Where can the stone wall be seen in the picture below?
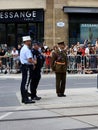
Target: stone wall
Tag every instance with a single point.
(49, 26)
(22, 4)
(79, 3)
(61, 33)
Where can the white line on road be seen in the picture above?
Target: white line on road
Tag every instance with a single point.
(9, 113)
(5, 115)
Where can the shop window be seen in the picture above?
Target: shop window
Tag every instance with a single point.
(16, 23)
(21, 30)
(36, 31)
(89, 32)
(83, 27)
(32, 31)
(40, 32)
(74, 33)
(11, 34)
(2, 34)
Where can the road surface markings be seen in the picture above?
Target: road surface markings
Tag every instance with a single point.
(9, 113)
(5, 115)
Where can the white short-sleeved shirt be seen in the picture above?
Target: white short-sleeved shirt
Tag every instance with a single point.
(87, 51)
(25, 54)
(15, 53)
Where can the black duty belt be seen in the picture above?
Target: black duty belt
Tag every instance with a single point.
(27, 65)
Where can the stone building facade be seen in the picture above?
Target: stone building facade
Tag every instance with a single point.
(53, 21)
(76, 21)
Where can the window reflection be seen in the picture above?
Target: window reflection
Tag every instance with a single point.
(11, 34)
(21, 30)
(2, 34)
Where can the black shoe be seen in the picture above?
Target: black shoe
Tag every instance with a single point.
(63, 95)
(5, 72)
(27, 101)
(29, 94)
(59, 95)
(36, 98)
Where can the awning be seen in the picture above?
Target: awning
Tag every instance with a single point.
(80, 9)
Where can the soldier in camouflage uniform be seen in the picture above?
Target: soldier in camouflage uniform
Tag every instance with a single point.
(59, 66)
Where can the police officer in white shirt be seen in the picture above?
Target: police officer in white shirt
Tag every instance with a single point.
(27, 66)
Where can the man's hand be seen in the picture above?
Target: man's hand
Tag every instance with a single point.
(35, 62)
(30, 60)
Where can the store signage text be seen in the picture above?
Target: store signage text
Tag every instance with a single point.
(16, 14)
(89, 25)
(21, 15)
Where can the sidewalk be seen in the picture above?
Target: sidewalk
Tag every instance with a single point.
(77, 111)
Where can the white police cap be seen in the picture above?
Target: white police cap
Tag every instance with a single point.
(26, 38)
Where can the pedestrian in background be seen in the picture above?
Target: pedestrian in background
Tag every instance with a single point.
(27, 63)
(59, 66)
(48, 60)
(79, 61)
(15, 56)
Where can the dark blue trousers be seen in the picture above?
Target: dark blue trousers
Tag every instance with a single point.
(26, 77)
(36, 76)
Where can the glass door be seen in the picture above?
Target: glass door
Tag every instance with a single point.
(11, 34)
(2, 34)
(21, 31)
(40, 32)
(36, 31)
(83, 27)
(32, 30)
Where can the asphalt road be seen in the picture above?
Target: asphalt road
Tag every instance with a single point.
(10, 86)
(14, 115)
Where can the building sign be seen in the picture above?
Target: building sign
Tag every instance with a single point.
(60, 24)
(22, 15)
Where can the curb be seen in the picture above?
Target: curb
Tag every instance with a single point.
(18, 76)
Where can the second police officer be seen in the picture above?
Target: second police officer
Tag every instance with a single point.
(36, 74)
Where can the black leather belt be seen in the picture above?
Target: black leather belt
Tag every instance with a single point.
(27, 65)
